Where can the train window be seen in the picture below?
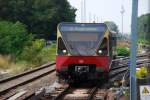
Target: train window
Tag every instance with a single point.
(82, 43)
(62, 50)
(103, 49)
(82, 27)
(82, 39)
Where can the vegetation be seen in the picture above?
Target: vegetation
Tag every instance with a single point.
(123, 51)
(4, 62)
(7, 65)
(13, 38)
(25, 26)
(37, 53)
(40, 16)
(141, 73)
(32, 56)
(144, 28)
(142, 41)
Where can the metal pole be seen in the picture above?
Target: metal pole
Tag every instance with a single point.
(97, 19)
(81, 11)
(133, 86)
(122, 23)
(84, 10)
(89, 17)
(94, 17)
(122, 12)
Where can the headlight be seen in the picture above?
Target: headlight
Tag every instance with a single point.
(100, 51)
(64, 51)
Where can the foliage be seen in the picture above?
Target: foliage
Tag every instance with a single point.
(144, 27)
(30, 54)
(142, 73)
(123, 51)
(123, 36)
(112, 26)
(40, 16)
(13, 37)
(37, 53)
(142, 41)
(49, 53)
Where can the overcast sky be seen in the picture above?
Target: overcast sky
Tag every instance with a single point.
(109, 10)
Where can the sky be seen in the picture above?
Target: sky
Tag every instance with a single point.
(110, 10)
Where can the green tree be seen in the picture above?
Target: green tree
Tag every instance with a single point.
(144, 27)
(40, 16)
(13, 37)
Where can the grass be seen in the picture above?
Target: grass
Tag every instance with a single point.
(7, 65)
(51, 52)
(47, 54)
(5, 62)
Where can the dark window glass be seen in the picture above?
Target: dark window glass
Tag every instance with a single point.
(82, 39)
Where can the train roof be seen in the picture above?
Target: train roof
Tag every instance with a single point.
(93, 27)
(73, 23)
(79, 23)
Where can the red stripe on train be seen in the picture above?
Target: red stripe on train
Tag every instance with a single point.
(64, 61)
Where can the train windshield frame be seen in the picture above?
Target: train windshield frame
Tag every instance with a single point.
(82, 39)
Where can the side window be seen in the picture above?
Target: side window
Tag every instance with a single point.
(103, 49)
(61, 47)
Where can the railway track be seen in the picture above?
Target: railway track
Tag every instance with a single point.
(120, 66)
(94, 92)
(79, 93)
(122, 60)
(8, 86)
(117, 72)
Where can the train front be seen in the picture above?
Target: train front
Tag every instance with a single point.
(82, 51)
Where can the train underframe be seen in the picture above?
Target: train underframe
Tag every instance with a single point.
(82, 73)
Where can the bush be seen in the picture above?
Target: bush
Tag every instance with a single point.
(38, 54)
(142, 73)
(20, 52)
(143, 42)
(13, 38)
(49, 53)
(31, 54)
(123, 51)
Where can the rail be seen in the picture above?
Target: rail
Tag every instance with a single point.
(11, 83)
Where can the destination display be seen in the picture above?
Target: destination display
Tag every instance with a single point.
(82, 37)
(82, 28)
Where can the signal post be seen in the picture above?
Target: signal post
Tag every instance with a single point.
(133, 85)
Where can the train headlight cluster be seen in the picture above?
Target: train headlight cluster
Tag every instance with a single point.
(100, 51)
(64, 51)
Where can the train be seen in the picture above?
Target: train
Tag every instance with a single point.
(84, 51)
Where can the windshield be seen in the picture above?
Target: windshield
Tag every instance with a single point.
(82, 39)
